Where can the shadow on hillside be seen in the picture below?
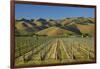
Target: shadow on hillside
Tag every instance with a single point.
(73, 29)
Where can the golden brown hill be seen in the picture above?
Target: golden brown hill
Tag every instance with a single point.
(54, 31)
(89, 29)
(22, 25)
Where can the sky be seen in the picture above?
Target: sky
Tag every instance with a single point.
(29, 11)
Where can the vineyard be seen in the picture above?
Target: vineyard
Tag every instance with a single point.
(52, 50)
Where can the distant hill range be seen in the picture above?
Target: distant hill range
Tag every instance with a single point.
(50, 27)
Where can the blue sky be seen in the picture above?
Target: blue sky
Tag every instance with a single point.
(29, 11)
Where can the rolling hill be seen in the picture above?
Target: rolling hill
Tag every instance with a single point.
(54, 31)
(50, 27)
(86, 29)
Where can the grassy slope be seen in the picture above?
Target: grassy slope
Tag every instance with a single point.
(54, 31)
(54, 27)
(86, 28)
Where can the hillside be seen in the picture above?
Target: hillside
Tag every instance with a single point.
(86, 29)
(54, 31)
(50, 27)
